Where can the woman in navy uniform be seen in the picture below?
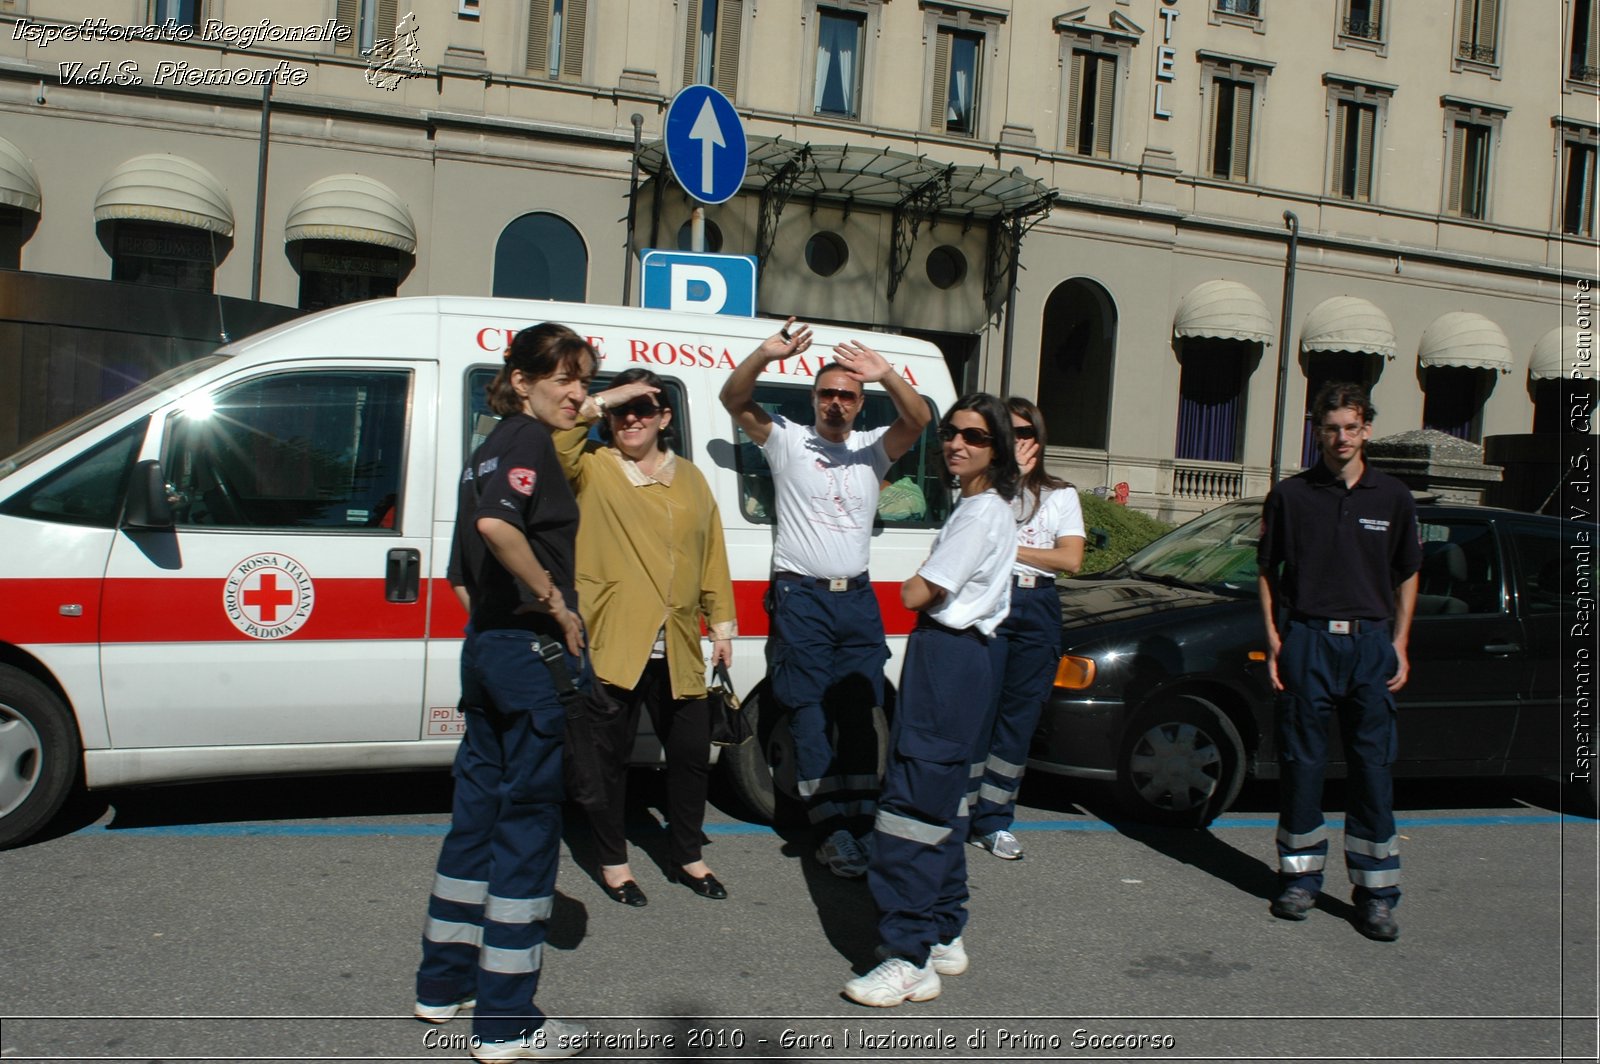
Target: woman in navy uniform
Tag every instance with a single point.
(918, 869)
(516, 527)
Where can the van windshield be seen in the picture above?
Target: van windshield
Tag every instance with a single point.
(101, 414)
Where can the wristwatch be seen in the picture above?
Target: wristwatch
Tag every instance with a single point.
(599, 406)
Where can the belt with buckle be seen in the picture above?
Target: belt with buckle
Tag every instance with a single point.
(826, 583)
(1033, 580)
(1340, 626)
(973, 633)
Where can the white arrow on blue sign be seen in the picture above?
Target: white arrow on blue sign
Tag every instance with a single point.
(706, 145)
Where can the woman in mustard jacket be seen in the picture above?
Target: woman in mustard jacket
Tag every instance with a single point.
(651, 565)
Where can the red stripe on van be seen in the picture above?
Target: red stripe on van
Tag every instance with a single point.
(749, 596)
(189, 611)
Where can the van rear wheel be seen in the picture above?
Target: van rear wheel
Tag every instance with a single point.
(761, 771)
(39, 755)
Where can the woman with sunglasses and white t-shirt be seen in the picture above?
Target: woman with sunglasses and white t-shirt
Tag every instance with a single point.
(1023, 652)
(918, 869)
(651, 565)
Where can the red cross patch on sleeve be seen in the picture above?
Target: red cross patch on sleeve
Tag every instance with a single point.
(522, 480)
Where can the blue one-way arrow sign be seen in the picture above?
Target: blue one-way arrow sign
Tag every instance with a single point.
(706, 144)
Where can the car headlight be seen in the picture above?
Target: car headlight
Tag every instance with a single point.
(1075, 673)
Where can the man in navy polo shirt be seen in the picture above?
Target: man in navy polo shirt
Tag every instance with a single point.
(1338, 558)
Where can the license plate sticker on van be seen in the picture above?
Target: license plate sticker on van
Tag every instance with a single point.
(445, 722)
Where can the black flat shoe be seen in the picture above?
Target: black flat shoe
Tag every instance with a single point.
(628, 894)
(706, 886)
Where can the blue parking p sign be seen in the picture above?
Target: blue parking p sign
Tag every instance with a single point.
(699, 283)
(705, 144)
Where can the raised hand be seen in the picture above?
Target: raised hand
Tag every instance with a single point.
(787, 342)
(862, 362)
(1027, 455)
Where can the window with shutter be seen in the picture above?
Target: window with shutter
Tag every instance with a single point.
(347, 14)
(572, 36)
(1585, 38)
(711, 44)
(1365, 127)
(1476, 32)
(538, 56)
(1578, 192)
(941, 82)
(1105, 100)
(1353, 131)
(556, 30)
(1239, 157)
(1468, 193)
(1363, 19)
(1075, 68)
(1091, 103)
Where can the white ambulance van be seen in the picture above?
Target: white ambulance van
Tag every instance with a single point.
(237, 569)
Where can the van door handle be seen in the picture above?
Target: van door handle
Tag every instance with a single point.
(1502, 648)
(404, 575)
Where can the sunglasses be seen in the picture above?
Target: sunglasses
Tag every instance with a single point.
(973, 437)
(841, 394)
(642, 409)
(1024, 432)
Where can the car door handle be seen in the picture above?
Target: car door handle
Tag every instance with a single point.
(403, 576)
(1502, 648)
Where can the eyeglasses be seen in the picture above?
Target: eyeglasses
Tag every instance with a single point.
(844, 395)
(973, 437)
(1024, 432)
(642, 409)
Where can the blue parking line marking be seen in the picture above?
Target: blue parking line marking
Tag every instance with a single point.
(438, 830)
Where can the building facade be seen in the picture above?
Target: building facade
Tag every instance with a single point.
(1103, 206)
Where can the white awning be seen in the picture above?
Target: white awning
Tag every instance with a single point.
(1556, 355)
(1462, 338)
(165, 188)
(1223, 310)
(352, 207)
(1348, 323)
(19, 185)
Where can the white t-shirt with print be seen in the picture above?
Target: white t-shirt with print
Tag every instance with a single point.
(1058, 514)
(972, 559)
(826, 497)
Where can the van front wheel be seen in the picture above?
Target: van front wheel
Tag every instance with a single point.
(39, 755)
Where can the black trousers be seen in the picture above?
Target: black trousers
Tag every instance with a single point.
(684, 727)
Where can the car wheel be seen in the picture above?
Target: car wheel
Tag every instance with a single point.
(39, 755)
(1181, 763)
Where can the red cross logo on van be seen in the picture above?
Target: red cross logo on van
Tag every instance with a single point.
(268, 596)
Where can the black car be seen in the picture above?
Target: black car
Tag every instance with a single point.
(1163, 690)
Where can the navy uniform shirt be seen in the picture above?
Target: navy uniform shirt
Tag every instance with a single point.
(1343, 550)
(516, 476)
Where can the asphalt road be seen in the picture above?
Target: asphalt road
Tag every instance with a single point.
(280, 920)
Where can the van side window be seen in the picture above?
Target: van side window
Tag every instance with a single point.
(914, 494)
(322, 449)
(87, 490)
(480, 421)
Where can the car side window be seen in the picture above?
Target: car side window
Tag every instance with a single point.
(87, 490)
(1460, 570)
(480, 420)
(1547, 569)
(913, 493)
(322, 449)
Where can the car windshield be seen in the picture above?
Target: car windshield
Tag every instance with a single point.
(103, 413)
(1216, 551)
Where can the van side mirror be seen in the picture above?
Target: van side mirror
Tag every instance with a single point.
(148, 504)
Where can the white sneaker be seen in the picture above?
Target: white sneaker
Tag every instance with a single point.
(892, 983)
(842, 855)
(948, 958)
(553, 1040)
(441, 1013)
(1002, 844)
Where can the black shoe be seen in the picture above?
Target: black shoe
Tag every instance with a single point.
(1293, 904)
(706, 886)
(1377, 921)
(628, 894)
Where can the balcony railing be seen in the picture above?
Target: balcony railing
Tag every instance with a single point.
(1366, 29)
(1478, 53)
(1240, 7)
(1206, 482)
(1585, 73)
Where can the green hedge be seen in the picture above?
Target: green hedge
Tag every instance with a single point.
(1126, 530)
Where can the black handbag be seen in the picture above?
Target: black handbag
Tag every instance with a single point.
(729, 725)
(594, 750)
